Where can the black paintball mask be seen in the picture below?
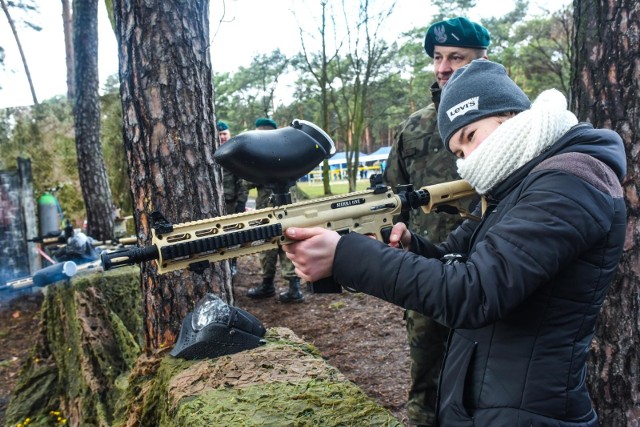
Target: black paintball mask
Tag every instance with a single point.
(215, 329)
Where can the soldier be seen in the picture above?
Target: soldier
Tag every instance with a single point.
(235, 189)
(269, 259)
(418, 157)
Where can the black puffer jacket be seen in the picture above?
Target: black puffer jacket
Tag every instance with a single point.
(524, 304)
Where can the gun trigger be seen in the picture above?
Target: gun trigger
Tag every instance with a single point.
(386, 234)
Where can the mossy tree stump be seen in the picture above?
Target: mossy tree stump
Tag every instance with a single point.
(87, 370)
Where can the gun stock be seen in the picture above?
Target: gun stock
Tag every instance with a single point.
(449, 194)
(194, 245)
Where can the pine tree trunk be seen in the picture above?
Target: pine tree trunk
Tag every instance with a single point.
(91, 168)
(167, 93)
(607, 94)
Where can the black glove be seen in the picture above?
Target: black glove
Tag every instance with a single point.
(240, 207)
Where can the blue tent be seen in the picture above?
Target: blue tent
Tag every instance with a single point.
(380, 154)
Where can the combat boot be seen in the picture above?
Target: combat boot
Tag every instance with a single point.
(266, 289)
(294, 294)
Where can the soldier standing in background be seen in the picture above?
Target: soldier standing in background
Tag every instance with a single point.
(235, 189)
(418, 157)
(269, 259)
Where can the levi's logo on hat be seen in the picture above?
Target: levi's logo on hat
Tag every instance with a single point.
(463, 108)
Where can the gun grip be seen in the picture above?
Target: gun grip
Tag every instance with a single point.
(326, 286)
(386, 234)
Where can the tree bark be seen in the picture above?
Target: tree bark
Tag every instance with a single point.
(166, 89)
(607, 94)
(91, 168)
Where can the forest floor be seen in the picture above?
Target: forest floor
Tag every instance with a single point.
(362, 336)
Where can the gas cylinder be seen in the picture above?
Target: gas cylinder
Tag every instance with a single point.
(48, 215)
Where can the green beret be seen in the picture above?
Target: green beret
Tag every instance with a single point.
(266, 122)
(222, 126)
(458, 32)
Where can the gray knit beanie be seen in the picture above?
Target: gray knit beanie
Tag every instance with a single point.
(477, 90)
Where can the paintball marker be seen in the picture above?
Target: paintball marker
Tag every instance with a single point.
(195, 245)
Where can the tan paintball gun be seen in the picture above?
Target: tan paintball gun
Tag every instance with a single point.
(194, 245)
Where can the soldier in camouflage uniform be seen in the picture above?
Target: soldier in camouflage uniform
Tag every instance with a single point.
(235, 189)
(418, 157)
(269, 258)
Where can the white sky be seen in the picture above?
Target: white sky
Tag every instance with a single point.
(249, 27)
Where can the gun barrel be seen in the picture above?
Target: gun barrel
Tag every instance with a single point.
(129, 256)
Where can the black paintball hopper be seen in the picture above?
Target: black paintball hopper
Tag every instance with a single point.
(279, 156)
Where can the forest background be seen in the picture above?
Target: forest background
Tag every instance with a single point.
(357, 87)
(392, 77)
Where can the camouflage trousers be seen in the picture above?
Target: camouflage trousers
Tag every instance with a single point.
(230, 206)
(427, 346)
(268, 261)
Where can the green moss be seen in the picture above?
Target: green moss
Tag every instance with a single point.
(90, 336)
(32, 396)
(121, 290)
(337, 305)
(128, 345)
(274, 337)
(146, 391)
(315, 403)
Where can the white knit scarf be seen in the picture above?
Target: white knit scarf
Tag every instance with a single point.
(516, 141)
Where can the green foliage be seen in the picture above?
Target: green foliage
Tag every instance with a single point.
(45, 135)
(450, 9)
(544, 55)
(113, 146)
(536, 51)
(249, 93)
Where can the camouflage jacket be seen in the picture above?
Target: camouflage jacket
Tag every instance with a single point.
(418, 157)
(235, 189)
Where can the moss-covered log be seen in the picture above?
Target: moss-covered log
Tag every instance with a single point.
(87, 370)
(284, 383)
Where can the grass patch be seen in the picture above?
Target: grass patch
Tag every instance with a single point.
(316, 189)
